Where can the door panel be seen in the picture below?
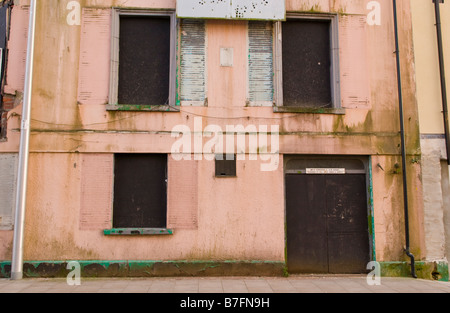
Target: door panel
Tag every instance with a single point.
(346, 203)
(327, 227)
(348, 253)
(347, 225)
(306, 225)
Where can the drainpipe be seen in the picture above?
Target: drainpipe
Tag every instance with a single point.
(19, 224)
(403, 143)
(442, 73)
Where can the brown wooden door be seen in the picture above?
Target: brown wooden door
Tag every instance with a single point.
(327, 227)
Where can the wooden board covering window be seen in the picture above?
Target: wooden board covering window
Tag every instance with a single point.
(307, 63)
(140, 191)
(144, 60)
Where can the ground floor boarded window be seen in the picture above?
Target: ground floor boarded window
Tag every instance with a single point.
(140, 191)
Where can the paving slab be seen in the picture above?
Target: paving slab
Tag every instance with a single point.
(224, 285)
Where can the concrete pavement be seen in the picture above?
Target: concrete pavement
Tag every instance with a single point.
(291, 284)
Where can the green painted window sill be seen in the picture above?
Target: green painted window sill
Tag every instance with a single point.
(135, 107)
(137, 231)
(338, 111)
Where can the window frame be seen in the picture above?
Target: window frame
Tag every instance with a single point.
(225, 157)
(133, 231)
(334, 58)
(114, 65)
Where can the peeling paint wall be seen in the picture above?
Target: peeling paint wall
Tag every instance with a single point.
(238, 219)
(433, 151)
(388, 210)
(434, 155)
(228, 227)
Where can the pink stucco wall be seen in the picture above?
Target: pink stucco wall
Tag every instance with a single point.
(246, 226)
(235, 218)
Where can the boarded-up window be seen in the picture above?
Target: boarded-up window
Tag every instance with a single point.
(260, 63)
(8, 183)
(140, 191)
(144, 60)
(307, 63)
(193, 62)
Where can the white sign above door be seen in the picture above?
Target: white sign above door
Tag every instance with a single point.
(334, 171)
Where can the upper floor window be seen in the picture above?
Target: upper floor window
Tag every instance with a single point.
(143, 58)
(308, 62)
